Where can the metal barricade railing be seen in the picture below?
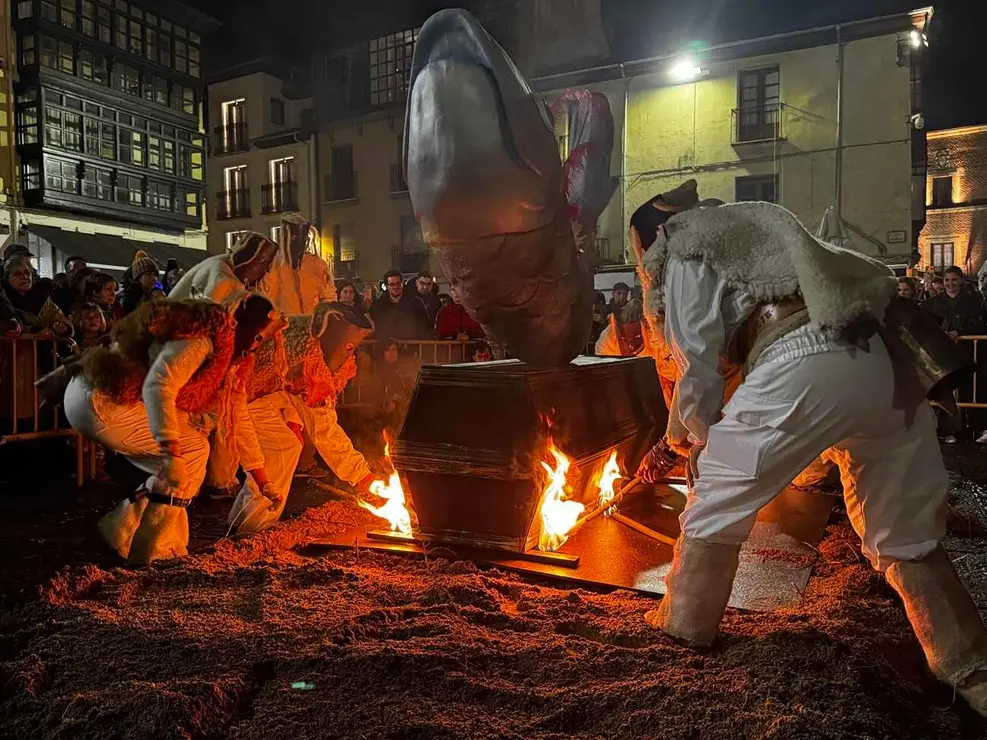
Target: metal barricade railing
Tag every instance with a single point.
(427, 352)
(23, 361)
(969, 395)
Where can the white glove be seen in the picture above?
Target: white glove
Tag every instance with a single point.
(268, 492)
(172, 474)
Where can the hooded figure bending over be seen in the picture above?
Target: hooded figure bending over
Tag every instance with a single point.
(748, 280)
(226, 277)
(169, 360)
(294, 390)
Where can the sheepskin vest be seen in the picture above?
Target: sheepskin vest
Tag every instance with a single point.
(763, 250)
(120, 371)
(294, 363)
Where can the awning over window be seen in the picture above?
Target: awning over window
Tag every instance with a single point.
(114, 252)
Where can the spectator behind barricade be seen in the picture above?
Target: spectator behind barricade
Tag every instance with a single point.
(959, 311)
(453, 322)
(390, 385)
(35, 310)
(938, 286)
(369, 294)
(10, 325)
(621, 295)
(66, 286)
(398, 313)
(482, 352)
(101, 288)
(47, 285)
(172, 277)
(445, 299)
(423, 287)
(90, 325)
(349, 297)
(144, 286)
(908, 288)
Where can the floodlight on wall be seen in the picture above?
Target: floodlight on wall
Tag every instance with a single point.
(917, 39)
(684, 69)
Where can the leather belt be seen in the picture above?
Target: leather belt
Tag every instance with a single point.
(158, 498)
(767, 316)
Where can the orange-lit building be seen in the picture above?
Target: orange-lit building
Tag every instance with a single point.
(955, 231)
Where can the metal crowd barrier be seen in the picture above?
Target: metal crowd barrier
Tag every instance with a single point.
(22, 419)
(970, 395)
(427, 352)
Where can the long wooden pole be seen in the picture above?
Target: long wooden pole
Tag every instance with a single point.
(631, 485)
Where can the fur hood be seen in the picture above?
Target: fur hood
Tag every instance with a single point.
(295, 363)
(763, 250)
(120, 370)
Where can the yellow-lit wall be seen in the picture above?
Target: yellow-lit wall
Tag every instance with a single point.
(257, 90)
(373, 218)
(677, 132)
(960, 154)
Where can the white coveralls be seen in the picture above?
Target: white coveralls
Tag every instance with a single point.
(140, 530)
(213, 279)
(298, 292)
(271, 416)
(807, 393)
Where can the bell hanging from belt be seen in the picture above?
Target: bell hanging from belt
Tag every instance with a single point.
(936, 363)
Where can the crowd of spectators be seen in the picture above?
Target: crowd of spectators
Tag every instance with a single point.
(959, 307)
(81, 303)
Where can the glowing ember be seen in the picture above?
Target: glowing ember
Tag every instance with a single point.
(558, 515)
(609, 476)
(394, 510)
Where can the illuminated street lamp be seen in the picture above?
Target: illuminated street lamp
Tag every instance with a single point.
(684, 69)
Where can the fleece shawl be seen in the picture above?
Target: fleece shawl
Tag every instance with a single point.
(763, 250)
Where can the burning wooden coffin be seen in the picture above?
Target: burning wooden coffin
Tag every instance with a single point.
(485, 445)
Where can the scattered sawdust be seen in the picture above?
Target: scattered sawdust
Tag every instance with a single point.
(400, 647)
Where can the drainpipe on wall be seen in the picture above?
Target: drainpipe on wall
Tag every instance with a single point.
(839, 122)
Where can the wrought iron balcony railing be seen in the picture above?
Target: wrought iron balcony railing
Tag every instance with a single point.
(758, 123)
(233, 203)
(230, 139)
(279, 197)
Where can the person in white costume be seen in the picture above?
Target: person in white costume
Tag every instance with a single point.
(817, 377)
(294, 390)
(169, 360)
(299, 279)
(226, 276)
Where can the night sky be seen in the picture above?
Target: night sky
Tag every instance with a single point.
(956, 92)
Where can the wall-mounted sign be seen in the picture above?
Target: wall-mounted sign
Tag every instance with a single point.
(897, 237)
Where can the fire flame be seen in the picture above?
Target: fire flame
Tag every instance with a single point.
(558, 515)
(394, 510)
(609, 476)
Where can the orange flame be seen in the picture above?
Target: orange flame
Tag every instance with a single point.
(609, 475)
(394, 510)
(558, 515)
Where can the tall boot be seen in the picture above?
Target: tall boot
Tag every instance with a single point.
(946, 622)
(119, 526)
(698, 589)
(163, 532)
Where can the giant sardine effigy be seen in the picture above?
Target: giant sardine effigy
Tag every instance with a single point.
(488, 187)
